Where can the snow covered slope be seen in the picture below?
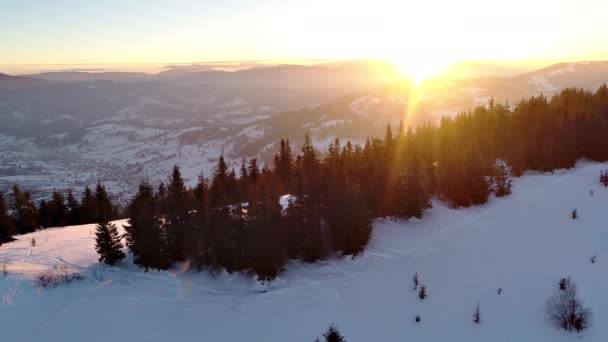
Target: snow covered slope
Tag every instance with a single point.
(524, 243)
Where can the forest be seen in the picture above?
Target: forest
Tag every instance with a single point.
(233, 220)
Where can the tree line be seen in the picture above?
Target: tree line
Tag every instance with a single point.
(233, 219)
(19, 214)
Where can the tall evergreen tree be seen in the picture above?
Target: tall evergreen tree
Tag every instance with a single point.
(145, 237)
(283, 167)
(24, 211)
(88, 207)
(44, 215)
(502, 181)
(412, 196)
(103, 204)
(73, 209)
(108, 243)
(58, 211)
(176, 216)
(7, 227)
(264, 216)
(198, 232)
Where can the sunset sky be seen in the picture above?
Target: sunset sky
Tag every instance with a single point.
(415, 34)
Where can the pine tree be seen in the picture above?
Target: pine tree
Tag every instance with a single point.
(88, 208)
(219, 191)
(304, 229)
(7, 227)
(413, 199)
(264, 218)
(502, 181)
(310, 167)
(283, 166)
(176, 216)
(476, 315)
(333, 335)
(108, 243)
(24, 211)
(58, 211)
(144, 235)
(349, 221)
(44, 216)
(198, 233)
(422, 293)
(73, 208)
(104, 210)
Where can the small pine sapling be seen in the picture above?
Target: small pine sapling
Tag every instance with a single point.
(422, 293)
(574, 214)
(476, 315)
(499, 290)
(417, 319)
(33, 242)
(563, 283)
(593, 259)
(333, 334)
(415, 281)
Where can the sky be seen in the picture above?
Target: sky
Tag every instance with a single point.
(417, 34)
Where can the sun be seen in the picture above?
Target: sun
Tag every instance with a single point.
(421, 68)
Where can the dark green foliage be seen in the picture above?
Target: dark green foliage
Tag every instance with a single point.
(58, 211)
(349, 221)
(88, 207)
(24, 211)
(175, 215)
(108, 243)
(422, 292)
(104, 210)
(73, 208)
(502, 181)
(7, 227)
(44, 215)
(333, 335)
(144, 235)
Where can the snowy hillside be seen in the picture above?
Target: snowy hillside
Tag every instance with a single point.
(523, 244)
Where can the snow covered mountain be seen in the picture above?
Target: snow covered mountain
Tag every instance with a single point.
(522, 244)
(70, 129)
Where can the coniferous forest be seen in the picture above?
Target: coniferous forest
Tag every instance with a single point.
(233, 220)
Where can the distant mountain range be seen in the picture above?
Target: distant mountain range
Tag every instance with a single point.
(69, 129)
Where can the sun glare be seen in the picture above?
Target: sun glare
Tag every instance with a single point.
(421, 69)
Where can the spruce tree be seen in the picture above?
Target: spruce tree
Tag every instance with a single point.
(104, 209)
(73, 208)
(333, 335)
(7, 227)
(144, 235)
(348, 219)
(502, 181)
(44, 216)
(108, 243)
(24, 211)
(58, 211)
(413, 199)
(176, 216)
(198, 233)
(283, 167)
(264, 218)
(88, 208)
